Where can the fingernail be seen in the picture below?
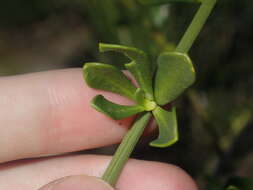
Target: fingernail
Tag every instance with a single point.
(78, 183)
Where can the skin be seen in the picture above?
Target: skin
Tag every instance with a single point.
(48, 113)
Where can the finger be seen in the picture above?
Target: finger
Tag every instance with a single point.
(50, 113)
(82, 182)
(137, 175)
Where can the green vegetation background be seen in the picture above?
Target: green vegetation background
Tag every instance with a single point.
(215, 115)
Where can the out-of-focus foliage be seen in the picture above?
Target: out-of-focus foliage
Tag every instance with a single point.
(216, 124)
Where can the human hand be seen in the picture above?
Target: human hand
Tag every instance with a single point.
(48, 113)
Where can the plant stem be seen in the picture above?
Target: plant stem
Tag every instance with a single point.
(196, 26)
(127, 145)
(125, 149)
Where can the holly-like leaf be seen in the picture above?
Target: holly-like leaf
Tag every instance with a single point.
(140, 66)
(160, 2)
(113, 110)
(175, 73)
(109, 78)
(167, 123)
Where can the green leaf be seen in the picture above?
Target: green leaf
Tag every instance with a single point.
(175, 73)
(232, 188)
(167, 123)
(113, 110)
(140, 66)
(142, 73)
(240, 183)
(140, 96)
(108, 78)
(141, 100)
(160, 2)
(131, 52)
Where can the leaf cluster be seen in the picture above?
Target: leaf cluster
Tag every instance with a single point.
(172, 75)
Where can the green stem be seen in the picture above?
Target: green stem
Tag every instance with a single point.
(125, 149)
(196, 26)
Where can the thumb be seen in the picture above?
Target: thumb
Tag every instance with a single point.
(81, 182)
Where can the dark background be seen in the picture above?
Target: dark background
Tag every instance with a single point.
(215, 115)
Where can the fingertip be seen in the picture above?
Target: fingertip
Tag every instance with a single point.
(174, 177)
(81, 182)
(155, 175)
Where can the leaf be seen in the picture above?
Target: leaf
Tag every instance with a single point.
(175, 73)
(160, 2)
(167, 123)
(232, 188)
(108, 78)
(240, 183)
(140, 66)
(130, 52)
(113, 110)
(141, 100)
(143, 76)
(140, 96)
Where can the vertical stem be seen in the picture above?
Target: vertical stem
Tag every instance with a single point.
(124, 150)
(196, 26)
(126, 147)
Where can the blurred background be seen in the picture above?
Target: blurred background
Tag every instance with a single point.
(215, 115)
